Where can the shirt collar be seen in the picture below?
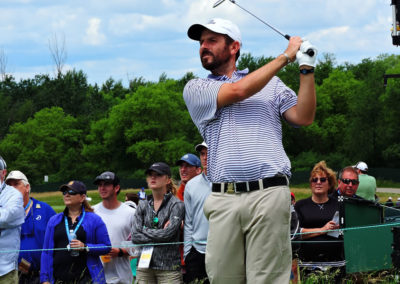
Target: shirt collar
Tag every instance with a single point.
(235, 74)
(167, 196)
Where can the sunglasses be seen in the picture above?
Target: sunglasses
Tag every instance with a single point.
(154, 174)
(348, 181)
(322, 180)
(70, 192)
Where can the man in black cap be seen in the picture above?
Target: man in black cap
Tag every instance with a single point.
(118, 218)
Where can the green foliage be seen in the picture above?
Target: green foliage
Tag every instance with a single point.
(67, 128)
(151, 124)
(47, 144)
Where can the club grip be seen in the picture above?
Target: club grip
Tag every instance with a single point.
(310, 52)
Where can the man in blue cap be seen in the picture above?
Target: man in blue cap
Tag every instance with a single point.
(189, 167)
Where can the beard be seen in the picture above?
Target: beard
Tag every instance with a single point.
(215, 61)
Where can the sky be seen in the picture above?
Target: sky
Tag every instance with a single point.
(126, 39)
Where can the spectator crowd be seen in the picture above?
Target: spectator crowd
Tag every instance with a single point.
(116, 242)
(112, 241)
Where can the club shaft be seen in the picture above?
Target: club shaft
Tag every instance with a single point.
(262, 21)
(219, 2)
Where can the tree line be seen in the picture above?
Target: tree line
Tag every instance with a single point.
(66, 128)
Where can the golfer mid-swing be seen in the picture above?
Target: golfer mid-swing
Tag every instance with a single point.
(239, 116)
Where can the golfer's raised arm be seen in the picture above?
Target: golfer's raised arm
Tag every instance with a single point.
(251, 84)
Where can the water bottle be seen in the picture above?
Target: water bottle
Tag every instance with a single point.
(72, 236)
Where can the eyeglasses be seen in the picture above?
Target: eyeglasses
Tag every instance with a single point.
(322, 180)
(70, 192)
(348, 181)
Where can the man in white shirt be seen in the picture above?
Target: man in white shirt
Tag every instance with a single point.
(118, 218)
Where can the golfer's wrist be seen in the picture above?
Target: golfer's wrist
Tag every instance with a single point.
(285, 58)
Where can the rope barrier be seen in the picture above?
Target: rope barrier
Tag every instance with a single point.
(205, 242)
(390, 224)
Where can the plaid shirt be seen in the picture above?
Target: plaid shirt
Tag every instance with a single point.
(148, 228)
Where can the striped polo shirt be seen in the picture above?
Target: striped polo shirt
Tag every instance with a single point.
(245, 138)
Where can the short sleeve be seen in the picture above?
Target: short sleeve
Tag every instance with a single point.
(200, 96)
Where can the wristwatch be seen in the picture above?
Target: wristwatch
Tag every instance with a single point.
(306, 71)
(120, 253)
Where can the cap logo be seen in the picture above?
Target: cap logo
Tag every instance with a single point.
(71, 182)
(186, 156)
(212, 22)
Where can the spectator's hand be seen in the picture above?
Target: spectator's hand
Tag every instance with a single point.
(330, 226)
(24, 266)
(77, 244)
(113, 252)
(166, 224)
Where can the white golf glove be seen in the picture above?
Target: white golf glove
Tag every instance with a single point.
(303, 58)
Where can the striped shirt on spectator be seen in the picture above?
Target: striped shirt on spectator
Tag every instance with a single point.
(244, 138)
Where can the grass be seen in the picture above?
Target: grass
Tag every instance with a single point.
(55, 200)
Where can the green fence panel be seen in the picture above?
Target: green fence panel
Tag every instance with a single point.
(366, 249)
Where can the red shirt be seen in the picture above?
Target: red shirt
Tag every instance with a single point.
(181, 191)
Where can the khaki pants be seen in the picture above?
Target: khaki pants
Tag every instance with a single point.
(154, 276)
(249, 237)
(9, 278)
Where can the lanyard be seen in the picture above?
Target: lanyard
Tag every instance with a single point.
(77, 226)
(27, 205)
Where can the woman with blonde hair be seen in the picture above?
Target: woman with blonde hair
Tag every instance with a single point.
(316, 215)
(158, 220)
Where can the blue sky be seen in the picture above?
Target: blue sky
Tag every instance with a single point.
(124, 39)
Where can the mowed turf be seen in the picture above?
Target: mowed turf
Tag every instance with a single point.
(55, 199)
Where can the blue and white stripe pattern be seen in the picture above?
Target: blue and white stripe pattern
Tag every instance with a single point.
(244, 139)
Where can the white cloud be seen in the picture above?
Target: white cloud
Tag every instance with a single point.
(145, 38)
(93, 35)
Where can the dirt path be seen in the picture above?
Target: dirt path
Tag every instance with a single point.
(388, 189)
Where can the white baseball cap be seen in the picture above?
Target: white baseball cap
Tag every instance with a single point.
(199, 146)
(361, 166)
(17, 175)
(216, 25)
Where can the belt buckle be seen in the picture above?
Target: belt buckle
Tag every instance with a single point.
(230, 187)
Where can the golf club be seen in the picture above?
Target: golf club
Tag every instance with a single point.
(310, 52)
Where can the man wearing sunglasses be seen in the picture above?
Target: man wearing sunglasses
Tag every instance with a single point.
(118, 218)
(37, 215)
(11, 218)
(347, 183)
